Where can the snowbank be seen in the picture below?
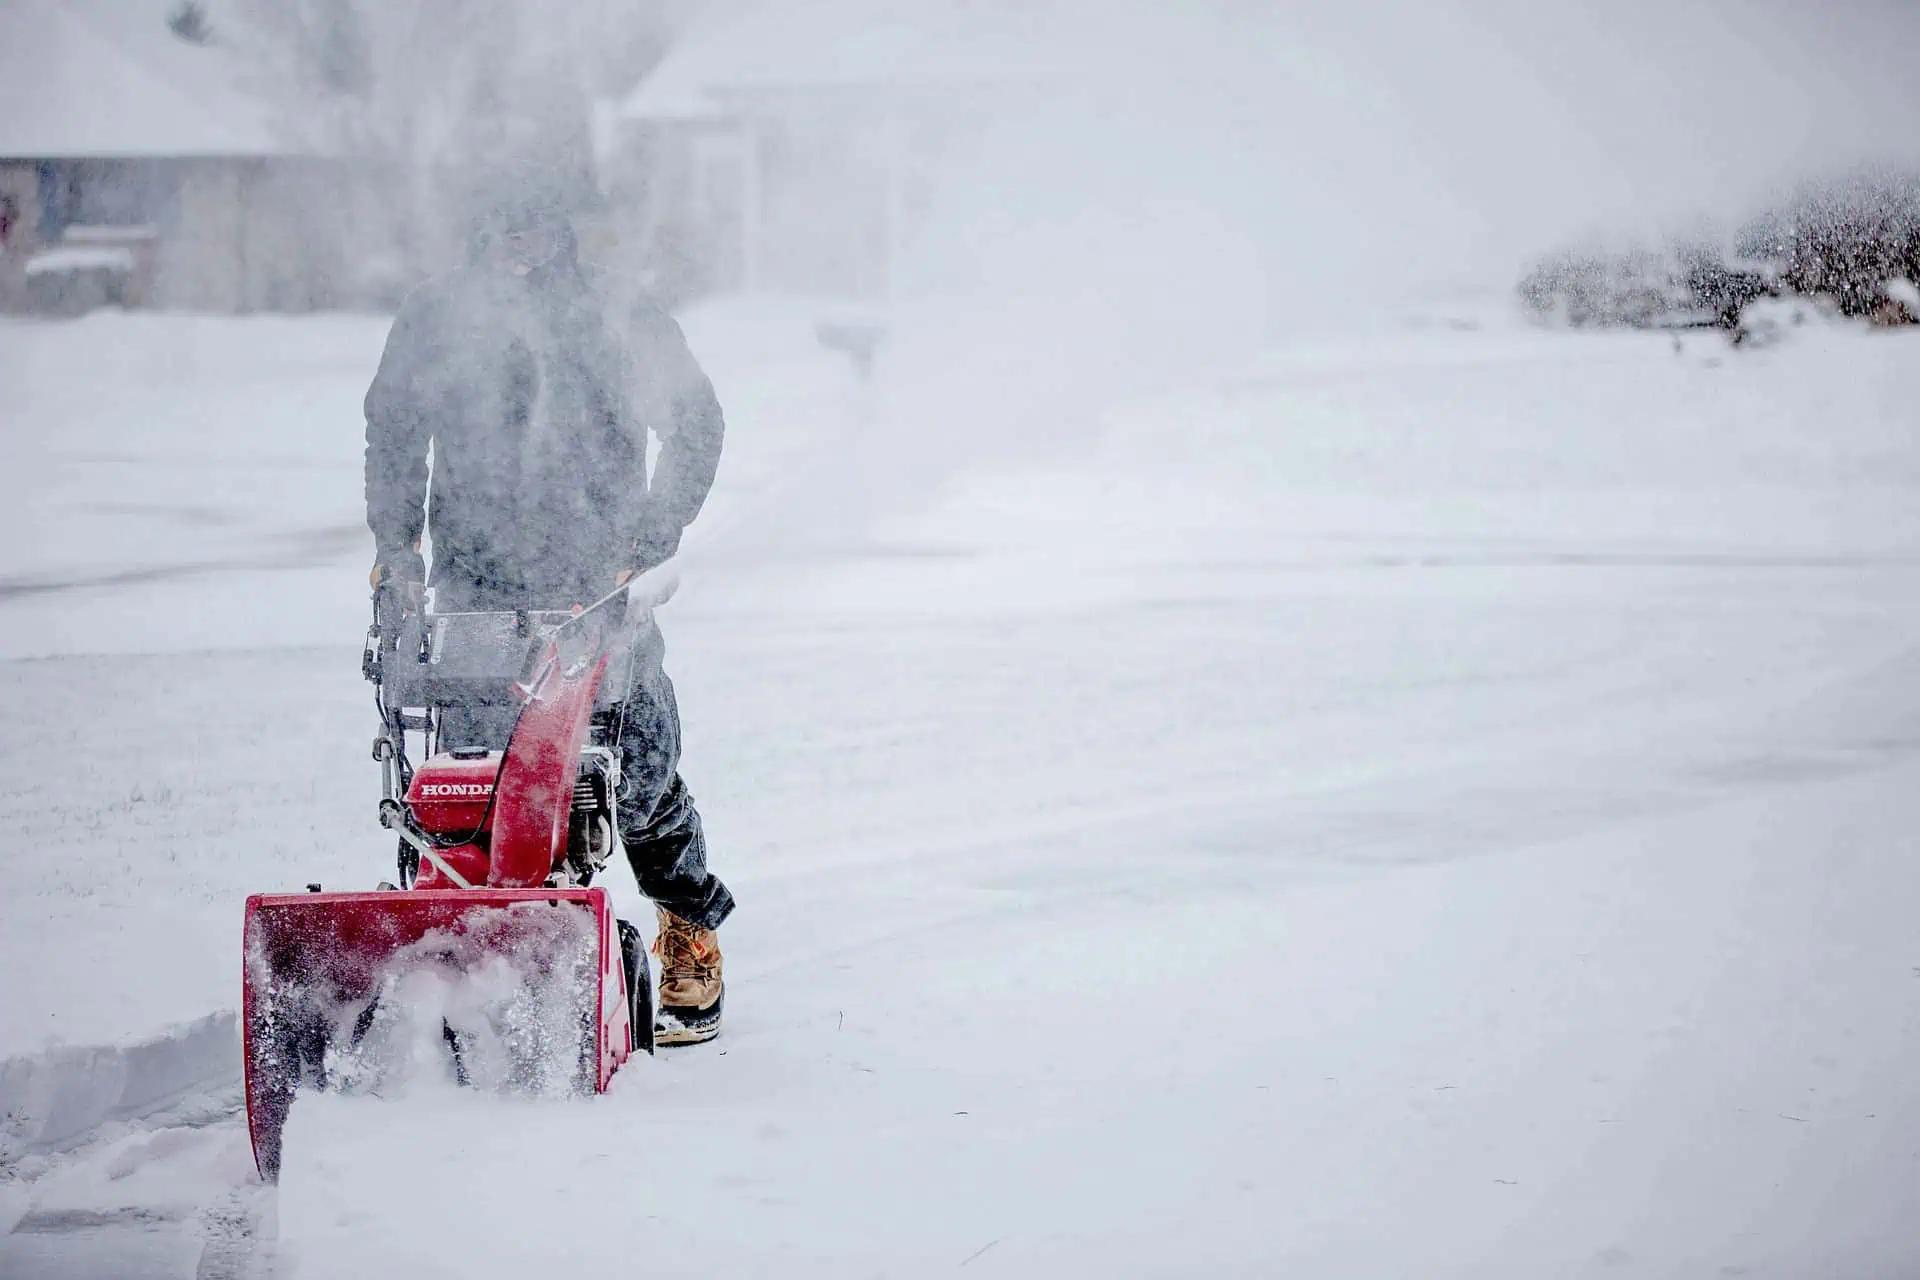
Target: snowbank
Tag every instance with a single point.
(51, 1098)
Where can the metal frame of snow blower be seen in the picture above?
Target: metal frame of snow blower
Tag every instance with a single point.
(407, 656)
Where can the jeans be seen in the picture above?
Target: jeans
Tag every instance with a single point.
(658, 822)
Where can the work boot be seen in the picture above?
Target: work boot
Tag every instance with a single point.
(690, 985)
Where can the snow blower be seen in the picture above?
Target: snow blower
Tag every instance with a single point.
(494, 933)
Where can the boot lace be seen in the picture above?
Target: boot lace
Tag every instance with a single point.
(684, 951)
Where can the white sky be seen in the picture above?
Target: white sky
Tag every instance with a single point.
(1336, 151)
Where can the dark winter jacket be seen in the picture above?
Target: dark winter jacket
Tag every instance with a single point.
(536, 393)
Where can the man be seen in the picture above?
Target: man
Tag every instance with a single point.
(535, 382)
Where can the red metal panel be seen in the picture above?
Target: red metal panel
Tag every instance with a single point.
(331, 947)
(535, 790)
(449, 796)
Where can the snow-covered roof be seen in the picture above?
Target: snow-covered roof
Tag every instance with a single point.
(796, 46)
(106, 78)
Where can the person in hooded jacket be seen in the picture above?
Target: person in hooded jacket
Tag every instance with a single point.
(535, 381)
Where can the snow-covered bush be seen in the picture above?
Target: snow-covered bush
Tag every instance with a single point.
(1720, 290)
(1851, 245)
(1855, 241)
(1634, 288)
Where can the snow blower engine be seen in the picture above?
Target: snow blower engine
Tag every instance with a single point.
(493, 938)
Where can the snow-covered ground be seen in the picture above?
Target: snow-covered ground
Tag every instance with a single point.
(1433, 802)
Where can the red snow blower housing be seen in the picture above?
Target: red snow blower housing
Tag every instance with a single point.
(493, 931)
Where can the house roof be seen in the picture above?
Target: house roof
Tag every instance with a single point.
(815, 46)
(106, 79)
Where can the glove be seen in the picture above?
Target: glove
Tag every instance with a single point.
(404, 569)
(655, 546)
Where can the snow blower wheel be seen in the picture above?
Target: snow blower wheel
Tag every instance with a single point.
(633, 954)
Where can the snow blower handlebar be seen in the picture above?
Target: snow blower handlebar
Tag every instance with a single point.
(643, 592)
(399, 620)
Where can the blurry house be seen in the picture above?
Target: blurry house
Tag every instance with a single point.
(790, 148)
(135, 171)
